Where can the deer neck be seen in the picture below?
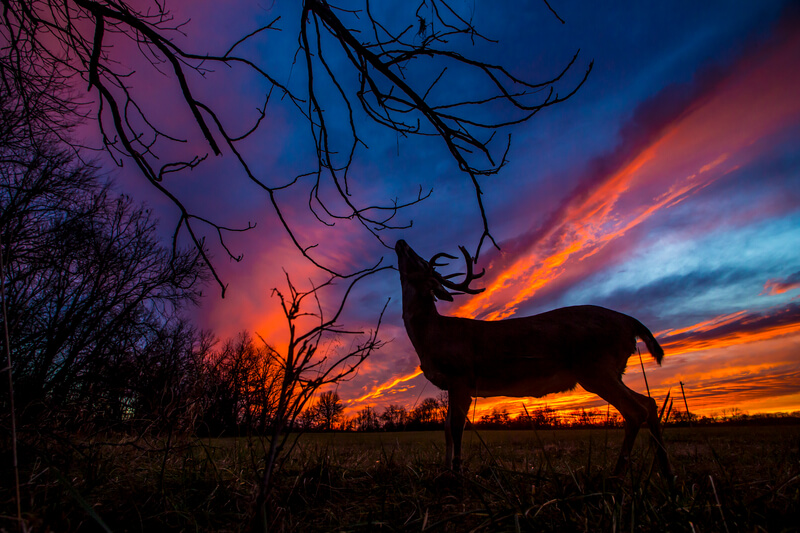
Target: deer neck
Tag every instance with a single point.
(422, 322)
(419, 316)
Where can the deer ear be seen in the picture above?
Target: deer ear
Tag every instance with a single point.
(441, 293)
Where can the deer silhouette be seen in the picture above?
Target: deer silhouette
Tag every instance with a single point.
(522, 357)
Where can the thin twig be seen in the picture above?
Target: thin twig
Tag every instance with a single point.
(643, 372)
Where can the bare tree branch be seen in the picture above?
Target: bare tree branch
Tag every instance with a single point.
(58, 48)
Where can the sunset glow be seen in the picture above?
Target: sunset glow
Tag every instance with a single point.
(387, 386)
(716, 135)
(667, 188)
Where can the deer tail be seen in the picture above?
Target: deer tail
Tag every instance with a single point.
(650, 341)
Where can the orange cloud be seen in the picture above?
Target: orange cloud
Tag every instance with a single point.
(732, 329)
(706, 325)
(377, 392)
(739, 379)
(780, 286)
(761, 376)
(711, 138)
(742, 359)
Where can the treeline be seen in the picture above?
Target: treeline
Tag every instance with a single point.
(431, 413)
(100, 355)
(328, 414)
(93, 308)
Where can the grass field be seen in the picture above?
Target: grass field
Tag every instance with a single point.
(728, 479)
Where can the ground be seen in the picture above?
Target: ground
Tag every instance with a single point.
(727, 479)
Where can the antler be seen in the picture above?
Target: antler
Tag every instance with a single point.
(433, 259)
(469, 277)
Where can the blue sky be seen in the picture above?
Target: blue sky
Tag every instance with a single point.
(668, 187)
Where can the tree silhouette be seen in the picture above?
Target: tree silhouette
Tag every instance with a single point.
(301, 370)
(92, 295)
(399, 74)
(428, 413)
(394, 417)
(86, 282)
(329, 409)
(241, 380)
(367, 419)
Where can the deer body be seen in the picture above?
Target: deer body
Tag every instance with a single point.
(522, 357)
(557, 347)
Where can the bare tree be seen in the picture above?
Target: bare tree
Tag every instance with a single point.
(396, 73)
(162, 383)
(309, 418)
(303, 369)
(496, 419)
(85, 279)
(394, 417)
(241, 381)
(367, 419)
(541, 417)
(427, 413)
(329, 409)
(89, 297)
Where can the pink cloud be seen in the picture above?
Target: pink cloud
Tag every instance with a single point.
(779, 286)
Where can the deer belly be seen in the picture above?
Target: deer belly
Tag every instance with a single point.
(524, 385)
(439, 379)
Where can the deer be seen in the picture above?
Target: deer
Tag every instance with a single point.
(530, 356)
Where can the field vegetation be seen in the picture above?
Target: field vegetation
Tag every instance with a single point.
(728, 478)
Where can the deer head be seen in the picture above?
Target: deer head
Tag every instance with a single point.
(421, 276)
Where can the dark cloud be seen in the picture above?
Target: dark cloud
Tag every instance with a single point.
(747, 324)
(675, 288)
(765, 384)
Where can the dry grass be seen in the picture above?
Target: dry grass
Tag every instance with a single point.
(728, 478)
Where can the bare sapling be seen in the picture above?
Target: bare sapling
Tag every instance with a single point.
(303, 369)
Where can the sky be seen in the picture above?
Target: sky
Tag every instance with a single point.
(667, 188)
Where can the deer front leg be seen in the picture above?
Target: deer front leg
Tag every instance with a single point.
(457, 409)
(448, 438)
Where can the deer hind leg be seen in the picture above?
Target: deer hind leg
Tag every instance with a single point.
(634, 408)
(457, 409)
(655, 434)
